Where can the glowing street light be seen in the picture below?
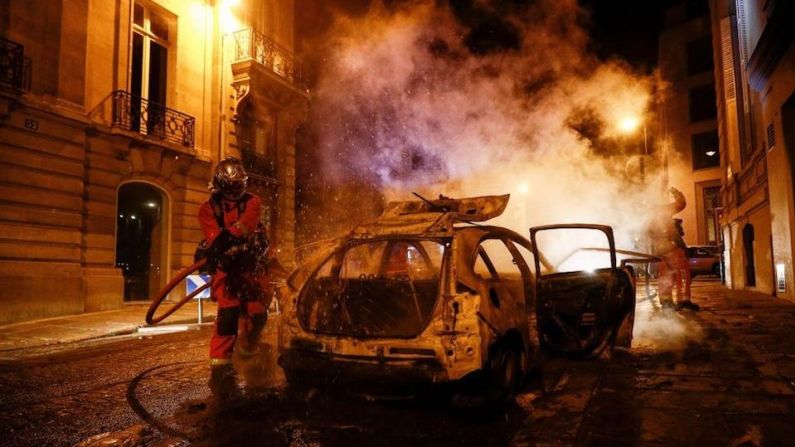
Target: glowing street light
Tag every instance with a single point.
(628, 124)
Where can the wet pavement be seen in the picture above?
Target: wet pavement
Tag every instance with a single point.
(722, 376)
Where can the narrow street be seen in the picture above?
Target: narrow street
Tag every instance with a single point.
(723, 376)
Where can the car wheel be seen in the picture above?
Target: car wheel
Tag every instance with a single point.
(505, 371)
(299, 390)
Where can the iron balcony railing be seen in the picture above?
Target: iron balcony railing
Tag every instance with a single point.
(753, 177)
(12, 65)
(745, 185)
(258, 164)
(136, 114)
(250, 44)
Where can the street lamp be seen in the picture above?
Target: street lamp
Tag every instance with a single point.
(628, 125)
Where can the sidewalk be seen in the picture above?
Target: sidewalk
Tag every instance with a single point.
(87, 326)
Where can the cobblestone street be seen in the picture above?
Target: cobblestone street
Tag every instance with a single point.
(722, 376)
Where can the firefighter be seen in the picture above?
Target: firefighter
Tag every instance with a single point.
(666, 241)
(236, 248)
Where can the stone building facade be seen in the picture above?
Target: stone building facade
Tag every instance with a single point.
(689, 116)
(112, 115)
(755, 68)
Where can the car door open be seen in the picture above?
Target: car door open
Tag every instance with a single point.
(586, 309)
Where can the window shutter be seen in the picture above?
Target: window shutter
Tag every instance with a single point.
(742, 32)
(727, 59)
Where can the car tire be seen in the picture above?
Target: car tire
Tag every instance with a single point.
(299, 390)
(505, 372)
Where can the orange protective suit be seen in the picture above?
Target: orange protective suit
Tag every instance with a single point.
(241, 289)
(666, 244)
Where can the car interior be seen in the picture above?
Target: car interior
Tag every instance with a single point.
(385, 288)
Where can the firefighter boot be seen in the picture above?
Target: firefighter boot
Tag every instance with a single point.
(223, 382)
(667, 303)
(687, 304)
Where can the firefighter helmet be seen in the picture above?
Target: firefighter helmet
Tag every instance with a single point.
(230, 178)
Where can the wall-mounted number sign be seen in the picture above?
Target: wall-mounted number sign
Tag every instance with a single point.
(31, 124)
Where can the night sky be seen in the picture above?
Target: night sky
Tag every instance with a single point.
(626, 29)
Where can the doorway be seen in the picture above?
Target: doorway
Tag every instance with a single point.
(748, 247)
(141, 239)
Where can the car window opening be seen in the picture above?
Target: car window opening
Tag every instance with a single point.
(381, 288)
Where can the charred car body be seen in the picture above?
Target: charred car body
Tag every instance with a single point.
(424, 295)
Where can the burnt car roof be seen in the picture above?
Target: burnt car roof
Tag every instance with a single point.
(431, 218)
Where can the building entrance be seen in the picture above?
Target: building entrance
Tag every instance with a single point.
(748, 247)
(141, 239)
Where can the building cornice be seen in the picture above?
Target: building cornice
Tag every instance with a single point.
(773, 43)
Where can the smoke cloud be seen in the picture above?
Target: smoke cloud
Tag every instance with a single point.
(418, 97)
(483, 99)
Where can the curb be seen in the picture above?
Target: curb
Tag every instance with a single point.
(191, 322)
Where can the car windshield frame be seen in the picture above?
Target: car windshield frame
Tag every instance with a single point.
(344, 248)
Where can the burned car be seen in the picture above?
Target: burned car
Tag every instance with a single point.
(424, 294)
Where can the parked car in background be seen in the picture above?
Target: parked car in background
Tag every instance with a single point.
(704, 260)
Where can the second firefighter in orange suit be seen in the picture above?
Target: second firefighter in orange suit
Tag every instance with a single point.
(230, 221)
(667, 243)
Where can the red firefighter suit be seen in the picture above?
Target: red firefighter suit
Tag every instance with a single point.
(667, 244)
(241, 289)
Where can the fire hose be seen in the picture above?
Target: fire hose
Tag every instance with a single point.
(158, 299)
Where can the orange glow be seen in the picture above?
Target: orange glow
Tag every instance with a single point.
(628, 124)
(229, 22)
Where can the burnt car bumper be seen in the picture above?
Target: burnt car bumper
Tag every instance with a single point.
(306, 367)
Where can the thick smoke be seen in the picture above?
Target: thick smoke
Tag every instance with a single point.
(413, 98)
(465, 101)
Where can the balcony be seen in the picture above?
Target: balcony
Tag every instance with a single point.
(258, 165)
(252, 45)
(745, 185)
(133, 113)
(14, 67)
(752, 178)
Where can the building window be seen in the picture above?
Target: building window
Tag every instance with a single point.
(705, 149)
(699, 56)
(702, 103)
(711, 202)
(149, 56)
(256, 133)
